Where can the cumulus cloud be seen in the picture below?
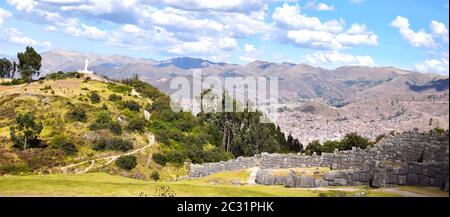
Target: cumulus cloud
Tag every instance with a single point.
(439, 30)
(14, 36)
(229, 6)
(4, 14)
(440, 66)
(204, 45)
(319, 6)
(310, 32)
(23, 5)
(333, 59)
(91, 32)
(416, 39)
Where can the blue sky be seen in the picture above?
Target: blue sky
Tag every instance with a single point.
(410, 34)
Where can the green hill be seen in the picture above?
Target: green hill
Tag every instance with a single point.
(77, 123)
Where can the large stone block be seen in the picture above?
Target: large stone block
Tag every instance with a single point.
(379, 178)
(329, 176)
(411, 179)
(340, 182)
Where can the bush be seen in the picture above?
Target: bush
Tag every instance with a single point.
(114, 98)
(354, 140)
(116, 144)
(95, 98)
(132, 105)
(115, 128)
(155, 176)
(330, 146)
(159, 159)
(78, 114)
(61, 142)
(102, 121)
(127, 162)
(314, 146)
(14, 169)
(137, 124)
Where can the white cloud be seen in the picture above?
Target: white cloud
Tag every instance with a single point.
(50, 29)
(439, 30)
(14, 36)
(23, 5)
(289, 17)
(4, 14)
(228, 5)
(91, 32)
(175, 19)
(319, 6)
(310, 32)
(440, 66)
(204, 46)
(333, 59)
(249, 48)
(416, 39)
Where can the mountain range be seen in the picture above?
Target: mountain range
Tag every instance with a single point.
(359, 95)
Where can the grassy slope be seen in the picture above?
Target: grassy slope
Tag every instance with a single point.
(100, 184)
(51, 106)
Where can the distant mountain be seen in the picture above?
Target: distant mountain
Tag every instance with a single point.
(323, 104)
(298, 82)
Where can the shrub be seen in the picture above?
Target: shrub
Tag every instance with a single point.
(102, 121)
(95, 98)
(78, 114)
(114, 97)
(136, 124)
(127, 162)
(159, 158)
(155, 175)
(61, 142)
(115, 128)
(354, 140)
(330, 146)
(116, 144)
(132, 105)
(313, 147)
(14, 168)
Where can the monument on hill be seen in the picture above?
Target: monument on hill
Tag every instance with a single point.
(85, 70)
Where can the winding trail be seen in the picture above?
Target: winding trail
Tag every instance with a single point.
(109, 159)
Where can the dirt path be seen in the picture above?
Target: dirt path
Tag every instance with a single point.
(403, 192)
(109, 159)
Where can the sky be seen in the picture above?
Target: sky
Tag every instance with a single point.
(409, 34)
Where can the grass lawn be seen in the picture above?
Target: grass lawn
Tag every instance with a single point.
(101, 184)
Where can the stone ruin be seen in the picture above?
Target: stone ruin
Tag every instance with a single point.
(410, 158)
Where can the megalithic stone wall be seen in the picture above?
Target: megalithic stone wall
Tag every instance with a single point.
(427, 151)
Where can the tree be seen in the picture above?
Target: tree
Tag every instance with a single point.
(7, 68)
(29, 64)
(330, 146)
(314, 146)
(354, 140)
(26, 133)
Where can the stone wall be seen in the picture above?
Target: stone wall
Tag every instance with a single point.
(200, 170)
(381, 175)
(418, 152)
